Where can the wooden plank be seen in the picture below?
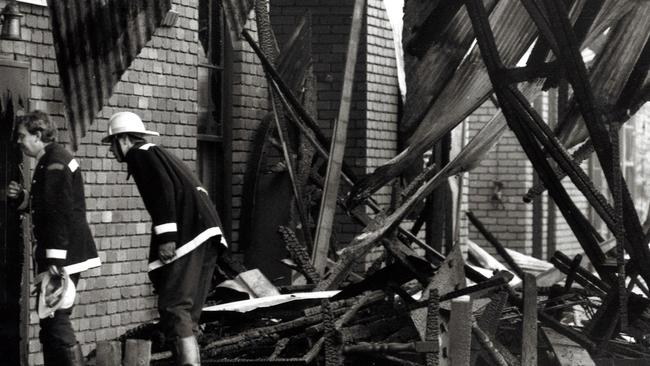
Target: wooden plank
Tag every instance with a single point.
(109, 353)
(334, 164)
(460, 331)
(449, 277)
(137, 352)
(529, 336)
(567, 352)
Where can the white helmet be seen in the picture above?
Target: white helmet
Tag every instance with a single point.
(125, 122)
(57, 292)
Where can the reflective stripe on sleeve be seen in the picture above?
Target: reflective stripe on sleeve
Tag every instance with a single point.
(165, 228)
(56, 253)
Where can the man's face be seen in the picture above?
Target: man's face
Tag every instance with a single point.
(30, 144)
(118, 148)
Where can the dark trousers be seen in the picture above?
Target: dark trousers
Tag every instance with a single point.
(56, 333)
(182, 287)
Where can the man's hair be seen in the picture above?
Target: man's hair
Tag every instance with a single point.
(38, 121)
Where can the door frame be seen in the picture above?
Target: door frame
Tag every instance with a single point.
(8, 65)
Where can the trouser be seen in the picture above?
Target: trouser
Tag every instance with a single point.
(56, 332)
(182, 288)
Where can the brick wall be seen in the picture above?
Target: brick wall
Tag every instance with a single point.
(509, 219)
(161, 87)
(250, 104)
(382, 94)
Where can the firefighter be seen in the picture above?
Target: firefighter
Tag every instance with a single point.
(186, 237)
(62, 241)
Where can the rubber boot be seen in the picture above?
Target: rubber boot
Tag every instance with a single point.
(73, 356)
(187, 351)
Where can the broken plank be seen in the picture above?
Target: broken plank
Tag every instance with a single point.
(567, 352)
(460, 331)
(529, 328)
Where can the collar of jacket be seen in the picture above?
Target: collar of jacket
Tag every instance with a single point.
(46, 150)
(126, 157)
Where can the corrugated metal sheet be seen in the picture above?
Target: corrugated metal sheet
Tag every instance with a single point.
(95, 42)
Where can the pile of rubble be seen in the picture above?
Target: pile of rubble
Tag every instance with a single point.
(416, 312)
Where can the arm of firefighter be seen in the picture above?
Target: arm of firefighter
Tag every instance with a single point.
(57, 211)
(156, 188)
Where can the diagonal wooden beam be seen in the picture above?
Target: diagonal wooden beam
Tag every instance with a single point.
(335, 162)
(577, 74)
(517, 117)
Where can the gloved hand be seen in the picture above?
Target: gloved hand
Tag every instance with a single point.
(167, 251)
(56, 286)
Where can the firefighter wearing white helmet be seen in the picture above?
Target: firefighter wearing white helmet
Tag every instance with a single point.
(186, 238)
(125, 123)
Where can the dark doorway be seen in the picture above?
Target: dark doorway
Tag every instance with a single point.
(14, 255)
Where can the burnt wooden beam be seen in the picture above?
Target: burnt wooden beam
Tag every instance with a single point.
(585, 20)
(254, 362)
(347, 316)
(495, 243)
(571, 276)
(537, 10)
(518, 118)
(433, 326)
(299, 254)
(488, 343)
(581, 272)
(526, 73)
(576, 71)
(544, 135)
(491, 283)
(392, 347)
(581, 154)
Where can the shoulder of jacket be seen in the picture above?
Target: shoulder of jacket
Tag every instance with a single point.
(60, 158)
(72, 165)
(146, 146)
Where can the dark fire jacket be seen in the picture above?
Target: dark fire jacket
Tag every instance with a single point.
(180, 209)
(58, 209)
